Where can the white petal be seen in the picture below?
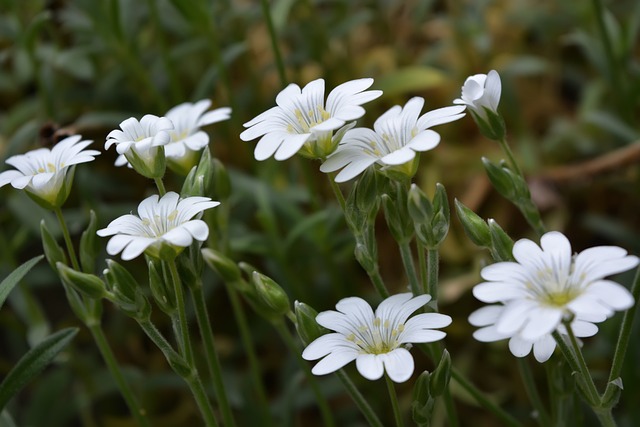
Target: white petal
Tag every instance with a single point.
(497, 291)
(486, 316)
(504, 272)
(356, 309)
(489, 334)
(514, 315)
(20, 182)
(290, 146)
(198, 229)
(557, 247)
(334, 361)
(8, 176)
(268, 145)
(370, 366)
(354, 169)
(589, 308)
(546, 320)
(543, 348)
(326, 344)
(428, 320)
(425, 140)
(440, 116)
(214, 116)
(399, 157)
(421, 336)
(493, 89)
(612, 294)
(136, 247)
(117, 243)
(179, 236)
(398, 364)
(583, 329)
(520, 347)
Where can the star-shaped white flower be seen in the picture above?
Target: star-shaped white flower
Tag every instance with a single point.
(46, 174)
(301, 118)
(547, 285)
(186, 137)
(398, 134)
(376, 341)
(137, 143)
(481, 91)
(162, 228)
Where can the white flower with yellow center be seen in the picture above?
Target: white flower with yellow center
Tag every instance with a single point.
(302, 119)
(46, 174)
(162, 228)
(398, 134)
(548, 285)
(139, 142)
(377, 341)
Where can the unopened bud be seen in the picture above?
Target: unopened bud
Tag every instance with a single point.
(52, 250)
(501, 243)
(474, 227)
(441, 375)
(306, 324)
(89, 245)
(271, 293)
(226, 268)
(87, 284)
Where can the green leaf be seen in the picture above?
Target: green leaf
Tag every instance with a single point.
(33, 362)
(12, 279)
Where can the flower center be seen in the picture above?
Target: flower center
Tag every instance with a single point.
(312, 118)
(160, 225)
(49, 167)
(179, 136)
(377, 338)
(553, 288)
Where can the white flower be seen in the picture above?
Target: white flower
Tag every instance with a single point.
(138, 142)
(548, 285)
(302, 118)
(487, 317)
(481, 91)
(377, 342)
(162, 228)
(46, 174)
(186, 136)
(399, 134)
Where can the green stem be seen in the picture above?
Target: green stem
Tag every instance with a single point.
(378, 283)
(530, 386)
(507, 419)
(139, 413)
(623, 340)
(247, 343)
(185, 341)
(359, 400)
(180, 366)
(407, 261)
(67, 239)
(507, 150)
(591, 390)
(422, 265)
(161, 189)
(274, 43)
(394, 401)
(290, 342)
(338, 193)
(212, 355)
(450, 408)
(567, 352)
(433, 258)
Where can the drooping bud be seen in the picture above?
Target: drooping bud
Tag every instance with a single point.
(474, 227)
(441, 375)
(501, 243)
(306, 324)
(221, 264)
(87, 284)
(89, 245)
(271, 293)
(52, 250)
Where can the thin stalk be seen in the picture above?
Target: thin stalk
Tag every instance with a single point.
(567, 352)
(185, 341)
(274, 43)
(507, 150)
(338, 193)
(623, 340)
(359, 400)
(67, 239)
(139, 413)
(407, 261)
(582, 366)
(394, 401)
(507, 419)
(433, 259)
(530, 386)
(378, 283)
(290, 342)
(422, 265)
(450, 408)
(247, 343)
(161, 189)
(215, 370)
(180, 366)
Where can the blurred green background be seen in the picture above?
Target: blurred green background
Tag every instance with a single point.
(571, 96)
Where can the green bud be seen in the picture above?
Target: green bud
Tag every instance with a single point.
(475, 228)
(430, 219)
(87, 284)
(419, 206)
(271, 293)
(221, 181)
(52, 250)
(363, 203)
(191, 186)
(397, 216)
(423, 404)
(501, 243)
(187, 272)
(503, 180)
(164, 297)
(366, 250)
(306, 324)
(123, 285)
(152, 165)
(441, 375)
(89, 244)
(222, 265)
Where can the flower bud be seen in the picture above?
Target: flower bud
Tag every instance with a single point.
(502, 179)
(152, 164)
(474, 227)
(271, 293)
(363, 202)
(366, 250)
(306, 324)
(430, 220)
(397, 216)
(89, 246)
(501, 243)
(423, 404)
(491, 124)
(52, 250)
(87, 284)
(221, 182)
(441, 375)
(226, 268)
(122, 283)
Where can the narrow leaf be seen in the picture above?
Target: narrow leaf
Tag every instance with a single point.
(33, 362)
(12, 279)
